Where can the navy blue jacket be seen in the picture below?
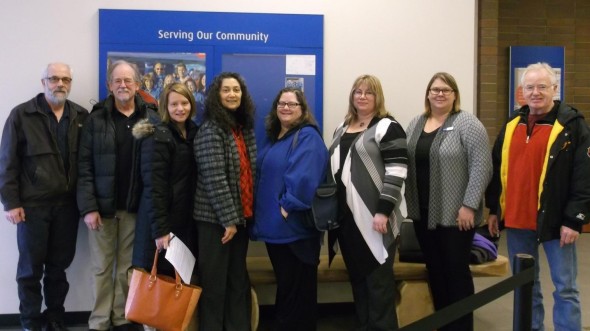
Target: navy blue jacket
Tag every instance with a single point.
(167, 175)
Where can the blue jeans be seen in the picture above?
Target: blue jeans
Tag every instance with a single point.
(563, 267)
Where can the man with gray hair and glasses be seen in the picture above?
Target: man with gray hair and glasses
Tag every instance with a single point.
(541, 190)
(38, 177)
(107, 192)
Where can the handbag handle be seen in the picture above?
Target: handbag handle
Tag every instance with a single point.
(154, 275)
(329, 176)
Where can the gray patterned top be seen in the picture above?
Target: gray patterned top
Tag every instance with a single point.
(460, 169)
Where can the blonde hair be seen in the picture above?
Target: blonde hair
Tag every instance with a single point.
(374, 85)
(540, 66)
(181, 89)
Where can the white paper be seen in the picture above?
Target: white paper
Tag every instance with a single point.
(181, 258)
(300, 65)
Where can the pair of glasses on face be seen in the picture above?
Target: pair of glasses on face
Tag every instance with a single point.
(55, 79)
(360, 93)
(120, 81)
(290, 105)
(444, 91)
(540, 88)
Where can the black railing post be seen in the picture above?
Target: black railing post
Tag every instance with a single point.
(523, 295)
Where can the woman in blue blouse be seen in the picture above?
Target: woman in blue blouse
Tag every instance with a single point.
(291, 166)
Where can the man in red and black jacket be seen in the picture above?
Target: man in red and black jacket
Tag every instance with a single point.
(541, 190)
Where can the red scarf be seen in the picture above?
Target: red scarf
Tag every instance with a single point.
(246, 182)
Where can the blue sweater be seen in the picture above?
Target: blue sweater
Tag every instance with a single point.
(288, 176)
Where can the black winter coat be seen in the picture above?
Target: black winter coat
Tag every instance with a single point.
(32, 172)
(98, 158)
(168, 175)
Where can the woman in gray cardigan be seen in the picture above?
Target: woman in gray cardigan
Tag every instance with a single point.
(449, 167)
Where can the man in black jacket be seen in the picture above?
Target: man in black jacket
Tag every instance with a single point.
(541, 190)
(37, 188)
(105, 192)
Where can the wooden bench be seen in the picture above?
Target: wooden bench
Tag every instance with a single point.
(414, 300)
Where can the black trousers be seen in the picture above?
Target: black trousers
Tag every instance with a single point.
(446, 253)
(296, 298)
(225, 303)
(46, 245)
(373, 284)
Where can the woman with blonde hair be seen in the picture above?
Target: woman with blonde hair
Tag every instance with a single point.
(167, 173)
(368, 161)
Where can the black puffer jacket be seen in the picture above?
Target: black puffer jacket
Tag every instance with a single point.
(31, 169)
(98, 158)
(168, 173)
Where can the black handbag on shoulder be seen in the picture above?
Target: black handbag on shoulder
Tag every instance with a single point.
(324, 207)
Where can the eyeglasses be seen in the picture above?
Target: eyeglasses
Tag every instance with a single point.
(119, 81)
(55, 79)
(289, 105)
(360, 93)
(437, 91)
(540, 87)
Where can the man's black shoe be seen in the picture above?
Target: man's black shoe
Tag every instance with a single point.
(56, 326)
(125, 327)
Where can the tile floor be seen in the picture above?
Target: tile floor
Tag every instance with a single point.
(496, 316)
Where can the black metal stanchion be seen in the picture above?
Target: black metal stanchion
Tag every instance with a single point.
(523, 295)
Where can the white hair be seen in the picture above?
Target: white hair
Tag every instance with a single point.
(46, 69)
(540, 66)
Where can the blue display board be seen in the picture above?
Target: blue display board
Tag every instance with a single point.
(270, 51)
(521, 57)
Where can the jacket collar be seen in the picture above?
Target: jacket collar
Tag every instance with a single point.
(561, 112)
(38, 107)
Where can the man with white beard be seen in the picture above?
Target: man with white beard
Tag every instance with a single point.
(38, 178)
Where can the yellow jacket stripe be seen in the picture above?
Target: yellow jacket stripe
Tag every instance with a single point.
(509, 132)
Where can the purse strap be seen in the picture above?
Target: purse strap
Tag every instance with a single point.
(329, 176)
(154, 272)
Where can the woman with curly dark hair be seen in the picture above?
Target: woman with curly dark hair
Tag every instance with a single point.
(225, 151)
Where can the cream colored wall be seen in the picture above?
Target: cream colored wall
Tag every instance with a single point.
(402, 42)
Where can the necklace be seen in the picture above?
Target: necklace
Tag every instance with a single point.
(361, 124)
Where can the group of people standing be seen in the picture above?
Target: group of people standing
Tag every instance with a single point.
(136, 174)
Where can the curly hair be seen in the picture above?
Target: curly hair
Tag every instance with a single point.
(243, 116)
(272, 122)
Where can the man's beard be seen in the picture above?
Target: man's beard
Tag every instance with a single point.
(57, 98)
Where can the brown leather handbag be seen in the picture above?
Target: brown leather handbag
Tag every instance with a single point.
(160, 301)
